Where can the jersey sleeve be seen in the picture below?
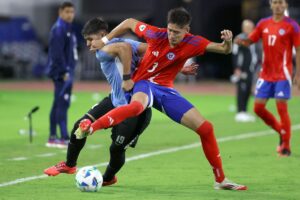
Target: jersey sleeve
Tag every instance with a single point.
(296, 35)
(256, 33)
(147, 32)
(199, 44)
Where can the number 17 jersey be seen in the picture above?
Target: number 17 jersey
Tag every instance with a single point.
(278, 39)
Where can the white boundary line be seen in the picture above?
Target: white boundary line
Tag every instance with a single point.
(164, 151)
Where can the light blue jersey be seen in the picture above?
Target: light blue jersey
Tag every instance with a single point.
(113, 70)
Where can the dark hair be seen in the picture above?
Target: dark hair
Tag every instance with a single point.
(94, 26)
(179, 16)
(272, 0)
(66, 4)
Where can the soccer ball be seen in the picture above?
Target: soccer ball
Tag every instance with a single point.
(89, 179)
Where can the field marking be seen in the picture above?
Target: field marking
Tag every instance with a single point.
(91, 146)
(164, 151)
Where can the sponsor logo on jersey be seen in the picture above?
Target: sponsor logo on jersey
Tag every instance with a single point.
(155, 53)
(281, 31)
(266, 30)
(142, 27)
(170, 56)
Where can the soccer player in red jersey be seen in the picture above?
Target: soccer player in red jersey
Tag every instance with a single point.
(168, 49)
(279, 34)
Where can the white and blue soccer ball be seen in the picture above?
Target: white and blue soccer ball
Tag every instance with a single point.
(89, 179)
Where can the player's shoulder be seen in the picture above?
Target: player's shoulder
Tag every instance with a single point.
(193, 40)
(292, 23)
(264, 21)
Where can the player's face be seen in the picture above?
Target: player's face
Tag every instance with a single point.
(278, 6)
(67, 14)
(176, 33)
(91, 37)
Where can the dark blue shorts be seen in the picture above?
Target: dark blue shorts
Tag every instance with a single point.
(278, 90)
(166, 100)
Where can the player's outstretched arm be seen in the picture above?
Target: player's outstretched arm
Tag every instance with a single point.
(297, 74)
(223, 48)
(123, 27)
(124, 52)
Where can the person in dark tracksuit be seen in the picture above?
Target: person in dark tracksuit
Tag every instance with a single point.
(245, 61)
(61, 64)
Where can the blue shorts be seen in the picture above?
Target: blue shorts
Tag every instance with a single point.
(278, 90)
(166, 100)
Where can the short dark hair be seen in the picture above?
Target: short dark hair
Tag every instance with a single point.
(179, 16)
(66, 4)
(94, 26)
(272, 0)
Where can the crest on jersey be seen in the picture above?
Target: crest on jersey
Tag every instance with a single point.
(155, 53)
(281, 31)
(170, 56)
(142, 27)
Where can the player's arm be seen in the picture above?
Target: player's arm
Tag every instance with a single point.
(124, 52)
(297, 74)
(142, 48)
(123, 27)
(57, 43)
(223, 48)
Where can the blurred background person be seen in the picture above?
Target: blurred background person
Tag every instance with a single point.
(245, 61)
(62, 58)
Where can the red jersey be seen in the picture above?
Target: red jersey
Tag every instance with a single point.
(161, 63)
(278, 40)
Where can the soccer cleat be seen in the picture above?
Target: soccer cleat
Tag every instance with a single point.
(62, 144)
(61, 167)
(284, 152)
(111, 182)
(229, 185)
(84, 129)
(51, 143)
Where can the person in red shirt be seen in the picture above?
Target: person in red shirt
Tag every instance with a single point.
(279, 34)
(168, 49)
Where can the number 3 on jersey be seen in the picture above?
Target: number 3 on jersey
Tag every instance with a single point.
(272, 40)
(155, 65)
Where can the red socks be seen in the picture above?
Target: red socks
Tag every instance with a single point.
(282, 109)
(118, 115)
(267, 117)
(211, 150)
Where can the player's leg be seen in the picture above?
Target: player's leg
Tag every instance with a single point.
(190, 117)
(52, 140)
(139, 102)
(282, 94)
(124, 135)
(62, 115)
(75, 145)
(264, 91)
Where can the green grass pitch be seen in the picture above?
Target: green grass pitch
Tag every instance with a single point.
(181, 174)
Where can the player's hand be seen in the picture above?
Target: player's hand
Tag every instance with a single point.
(226, 35)
(237, 40)
(190, 69)
(127, 85)
(296, 80)
(96, 44)
(66, 76)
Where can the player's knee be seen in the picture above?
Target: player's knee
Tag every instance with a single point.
(116, 148)
(258, 108)
(136, 107)
(205, 129)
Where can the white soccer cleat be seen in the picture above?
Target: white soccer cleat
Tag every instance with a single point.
(229, 185)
